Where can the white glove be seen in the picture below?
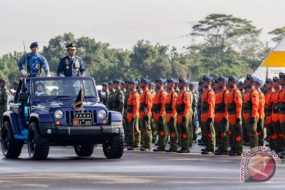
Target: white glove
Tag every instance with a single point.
(48, 75)
(24, 73)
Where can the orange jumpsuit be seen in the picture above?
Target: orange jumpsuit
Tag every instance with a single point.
(268, 119)
(146, 99)
(260, 123)
(235, 97)
(183, 98)
(277, 136)
(275, 101)
(159, 98)
(208, 96)
(282, 107)
(253, 96)
(221, 97)
(134, 101)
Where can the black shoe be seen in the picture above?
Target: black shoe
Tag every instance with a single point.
(201, 143)
(232, 150)
(183, 150)
(234, 154)
(159, 149)
(146, 149)
(222, 153)
(207, 152)
(134, 148)
(156, 144)
(203, 149)
(170, 150)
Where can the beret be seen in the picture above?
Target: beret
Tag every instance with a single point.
(34, 44)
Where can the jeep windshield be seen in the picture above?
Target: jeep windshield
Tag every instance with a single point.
(60, 87)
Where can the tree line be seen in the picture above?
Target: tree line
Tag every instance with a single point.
(222, 45)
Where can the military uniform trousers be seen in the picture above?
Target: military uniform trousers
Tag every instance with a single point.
(210, 135)
(172, 128)
(162, 132)
(252, 132)
(260, 132)
(145, 128)
(135, 134)
(278, 141)
(222, 135)
(183, 128)
(236, 133)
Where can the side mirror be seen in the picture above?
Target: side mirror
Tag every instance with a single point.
(102, 95)
(23, 97)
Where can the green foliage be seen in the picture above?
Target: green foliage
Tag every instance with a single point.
(279, 34)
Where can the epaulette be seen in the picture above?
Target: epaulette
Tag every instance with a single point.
(78, 57)
(63, 57)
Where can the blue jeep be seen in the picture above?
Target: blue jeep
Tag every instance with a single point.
(60, 111)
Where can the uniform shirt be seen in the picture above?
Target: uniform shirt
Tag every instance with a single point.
(133, 100)
(234, 97)
(183, 98)
(110, 100)
(4, 98)
(282, 100)
(275, 101)
(159, 98)
(261, 104)
(194, 102)
(171, 98)
(71, 66)
(268, 105)
(35, 63)
(118, 100)
(208, 96)
(146, 99)
(253, 96)
(221, 97)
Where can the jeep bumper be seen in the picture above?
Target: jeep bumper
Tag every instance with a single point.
(49, 129)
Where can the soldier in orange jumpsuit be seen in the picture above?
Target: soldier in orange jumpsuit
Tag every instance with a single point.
(158, 109)
(281, 107)
(133, 105)
(207, 115)
(260, 123)
(171, 114)
(268, 113)
(276, 137)
(234, 108)
(145, 115)
(221, 117)
(215, 87)
(183, 115)
(250, 109)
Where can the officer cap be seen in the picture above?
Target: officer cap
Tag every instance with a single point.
(134, 82)
(222, 78)
(240, 83)
(104, 84)
(200, 83)
(191, 84)
(215, 81)
(127, 80)
(4, 81)
(123, 83)
(71, 46)
(151, 84)
(138, 80)
(233, 79)
(182, 80)
(16, 82)
(117, 81)
(269, 80)
(171, 80)
(259, 82)
(145, 80)
(276, 79)
(34, 44)
(207, 78)
(110, 83)
(41, 83)
(159, 79)
(252, 78)
(281, 75)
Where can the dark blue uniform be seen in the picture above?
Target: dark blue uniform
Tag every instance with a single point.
(71, 67)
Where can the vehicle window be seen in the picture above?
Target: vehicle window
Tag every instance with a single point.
(63, 87)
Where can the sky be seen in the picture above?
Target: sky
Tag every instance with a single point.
(121, 23)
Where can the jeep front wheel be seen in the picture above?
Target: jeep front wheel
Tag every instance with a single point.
(11, 147)
(114, 147)
(84, 150)
(38, 146)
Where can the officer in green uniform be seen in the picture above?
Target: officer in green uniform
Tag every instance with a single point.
(4, 100)
(110, 96)
(118, 99)
(193, 137)
(105, 89)
(200, 90)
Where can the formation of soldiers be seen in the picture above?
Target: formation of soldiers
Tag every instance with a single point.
(230, 113)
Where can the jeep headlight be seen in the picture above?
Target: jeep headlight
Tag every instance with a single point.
(102, 113)
(58, 114)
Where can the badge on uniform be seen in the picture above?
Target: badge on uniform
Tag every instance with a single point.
(76, 64)
(67, 62)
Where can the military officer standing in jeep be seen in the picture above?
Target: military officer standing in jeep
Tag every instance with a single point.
(4, 100)
(118, 99)
(71, 65)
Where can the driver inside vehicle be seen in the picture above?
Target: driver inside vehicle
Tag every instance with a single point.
(40, 90)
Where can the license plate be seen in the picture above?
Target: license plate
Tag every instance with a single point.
(82, 119)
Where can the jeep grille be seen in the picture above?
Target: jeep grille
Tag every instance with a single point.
(70, 115)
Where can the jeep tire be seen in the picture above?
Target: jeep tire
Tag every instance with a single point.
(38, 146)
(114, 147)
(11, 147)
(84, 150)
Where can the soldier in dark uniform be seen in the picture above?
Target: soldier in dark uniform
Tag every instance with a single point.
(118, 99)
(4, 100)
(105, 89)
(200, 90)
(71, 65)
(193, 137)
(110, 96)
